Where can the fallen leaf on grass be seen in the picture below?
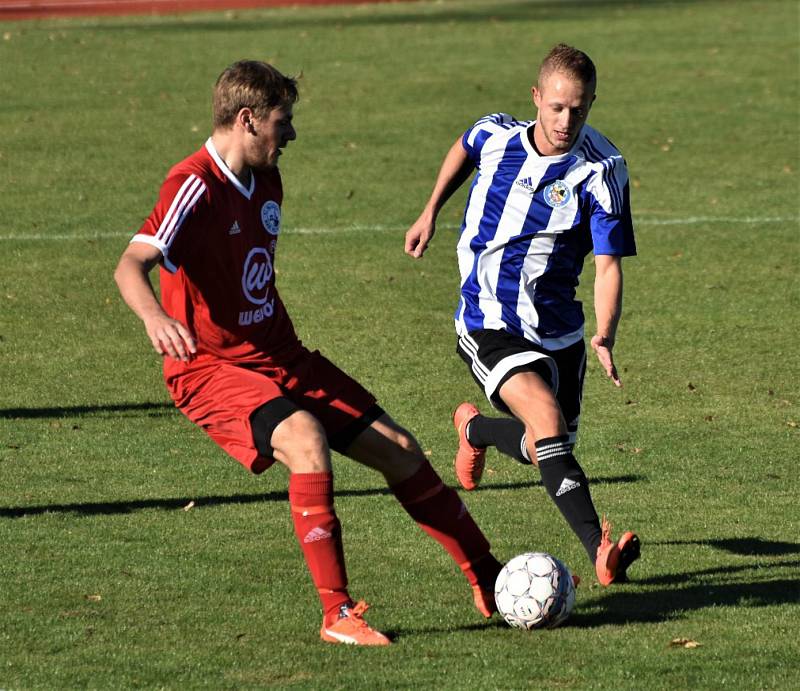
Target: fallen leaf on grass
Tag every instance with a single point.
(683, 643)
(94, 598)
(792, 424)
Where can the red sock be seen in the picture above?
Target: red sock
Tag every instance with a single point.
(320, 536)
(439, 511)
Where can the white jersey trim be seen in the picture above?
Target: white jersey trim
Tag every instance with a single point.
(248, 193)
(150, 240)
(182, 204)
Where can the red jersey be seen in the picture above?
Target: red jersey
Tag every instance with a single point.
(218, 239)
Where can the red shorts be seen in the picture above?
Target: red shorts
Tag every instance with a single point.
(220, 397)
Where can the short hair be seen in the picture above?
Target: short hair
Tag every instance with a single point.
(251, 84)
(564, 58)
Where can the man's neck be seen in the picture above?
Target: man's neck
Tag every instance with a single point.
(532, 138)
(231, 153)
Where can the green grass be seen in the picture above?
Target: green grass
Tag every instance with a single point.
(107, 582)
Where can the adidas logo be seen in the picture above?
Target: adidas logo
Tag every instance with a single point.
(317, 534)
(235, 229)
(527, 183)
(567, 485)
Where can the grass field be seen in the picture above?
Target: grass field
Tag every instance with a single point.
(108, 580)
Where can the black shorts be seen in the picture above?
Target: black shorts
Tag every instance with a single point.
(494, 356)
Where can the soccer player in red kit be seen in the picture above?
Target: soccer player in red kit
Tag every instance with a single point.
(234, 365)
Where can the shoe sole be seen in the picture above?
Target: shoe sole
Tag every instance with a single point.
(630, 550)
(333, 637)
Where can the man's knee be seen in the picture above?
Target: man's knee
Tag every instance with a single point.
(291, 436)
(533, 402)
(405, 443)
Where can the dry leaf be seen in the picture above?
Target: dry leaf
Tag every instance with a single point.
(792, 424)
(94, 598)
(683, 643)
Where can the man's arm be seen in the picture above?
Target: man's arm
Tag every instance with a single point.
(608, 309)
(456, 168)
(168, 336)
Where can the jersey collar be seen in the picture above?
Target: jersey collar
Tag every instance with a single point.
(228, 173)
(532, 152)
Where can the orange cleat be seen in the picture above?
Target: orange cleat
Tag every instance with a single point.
(470, 459)
(484, 601)
(614, 558)
(351, 628)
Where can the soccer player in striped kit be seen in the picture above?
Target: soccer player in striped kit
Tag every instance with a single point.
(235, 367)
(546, 193)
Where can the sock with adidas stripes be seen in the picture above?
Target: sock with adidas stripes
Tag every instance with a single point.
(507, 435)
(568, 487)
(320, 536)
(439, 511)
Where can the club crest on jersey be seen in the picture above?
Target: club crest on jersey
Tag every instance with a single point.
(271, 217)
(557, 194)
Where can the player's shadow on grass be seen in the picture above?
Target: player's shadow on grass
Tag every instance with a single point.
(111, 508)
(680, 595)
(745, 546)
(80, 410)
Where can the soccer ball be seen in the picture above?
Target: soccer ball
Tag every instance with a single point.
(534, 591)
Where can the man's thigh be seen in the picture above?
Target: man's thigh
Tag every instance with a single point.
(342, 405)
(494, 356)
(221, 400)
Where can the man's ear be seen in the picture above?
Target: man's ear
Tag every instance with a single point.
(245, 118)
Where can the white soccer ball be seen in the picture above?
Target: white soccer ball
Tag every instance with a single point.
(534, 590)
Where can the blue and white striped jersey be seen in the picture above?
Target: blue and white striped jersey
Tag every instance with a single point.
(529, 222)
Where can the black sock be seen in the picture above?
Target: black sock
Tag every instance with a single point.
(506, 434)
(568, 487)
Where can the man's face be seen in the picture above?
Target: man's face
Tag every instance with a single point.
(563, 103)
(267, 136)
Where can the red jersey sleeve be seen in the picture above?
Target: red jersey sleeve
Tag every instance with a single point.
(182, 200)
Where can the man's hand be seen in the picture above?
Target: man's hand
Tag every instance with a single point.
(456, 168)
(602, 347)
(170, 337)
(419, 236)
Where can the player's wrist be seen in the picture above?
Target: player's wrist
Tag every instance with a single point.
(603, 341)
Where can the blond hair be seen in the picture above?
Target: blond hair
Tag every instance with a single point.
(574, 62)
(251, 84)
